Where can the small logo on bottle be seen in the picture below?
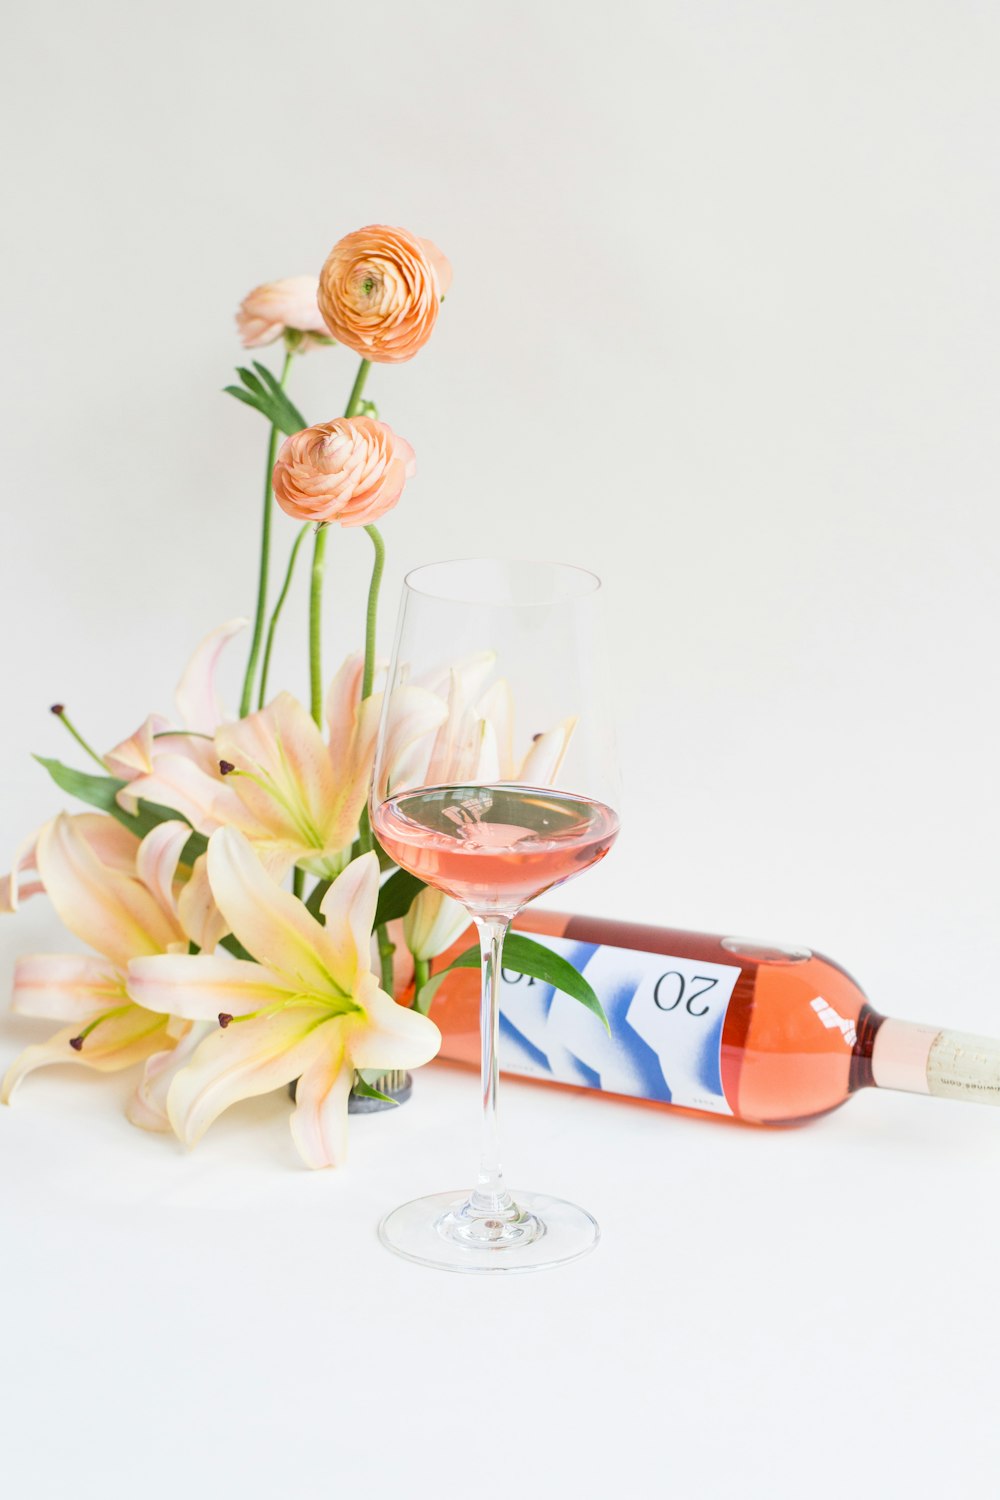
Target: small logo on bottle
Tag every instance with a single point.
(830, 1019)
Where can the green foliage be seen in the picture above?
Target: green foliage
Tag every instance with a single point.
(263, 391)
(101, 792)
(525, 956)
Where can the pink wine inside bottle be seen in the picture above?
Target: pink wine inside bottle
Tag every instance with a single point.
(762, 1033)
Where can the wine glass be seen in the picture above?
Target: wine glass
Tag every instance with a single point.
(513, 793)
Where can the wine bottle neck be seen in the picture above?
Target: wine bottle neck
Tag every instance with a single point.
(929, 1060)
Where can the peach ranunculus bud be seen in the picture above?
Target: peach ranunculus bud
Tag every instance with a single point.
(279, 307)
(350, 470)
(380, 292)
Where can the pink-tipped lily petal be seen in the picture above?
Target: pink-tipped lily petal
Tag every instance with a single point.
(542, 762)
(349, 910)
(65, 986)
(271, 923)
(319, 1120)
(196, 696)
(415, 715)
(343, 699)
(202, 921)
(157, 859)
(388, 1035)
(111, 912)
(147, 1107)
(282, 775)
(249, 1057)
(115, 1043)
(180, 783)
(20, 883)
(134, 757)
(203, 986)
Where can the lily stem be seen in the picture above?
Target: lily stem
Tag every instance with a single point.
(265, 557)
(279, 606)
(316, 586)
(421, 974)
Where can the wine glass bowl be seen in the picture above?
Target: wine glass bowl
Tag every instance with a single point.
(511, 792)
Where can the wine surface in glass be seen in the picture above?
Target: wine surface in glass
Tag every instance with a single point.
(494, 848)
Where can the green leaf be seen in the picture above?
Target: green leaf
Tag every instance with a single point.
(367, 1092)
(101, 792)
(250, 380)
(235, 947)
(525, 956)
(286, 417)
(397, 896)
(319, 890)
(281, 396)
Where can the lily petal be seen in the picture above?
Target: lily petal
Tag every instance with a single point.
(271, 923)
(414, 714)
(319, 1120)
(116, 1043)
(349, 910)
(112, 912)
(157, 860)
(248, 1058)
(12, 890)
(202, 921)
(390, 1035)
(201, 985)
(179, 782)
(147, 1106)
(287, 782)
(134, 756)
(65, 986)
(196, 695)
(542, 762)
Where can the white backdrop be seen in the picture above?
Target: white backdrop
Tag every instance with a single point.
(723, 326)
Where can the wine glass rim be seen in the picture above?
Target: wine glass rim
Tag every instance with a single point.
(585, 583)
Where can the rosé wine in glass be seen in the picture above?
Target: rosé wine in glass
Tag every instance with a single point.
(494, 848)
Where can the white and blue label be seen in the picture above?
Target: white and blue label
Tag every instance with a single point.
(666, 1016)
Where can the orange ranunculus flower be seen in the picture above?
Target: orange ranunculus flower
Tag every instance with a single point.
(380, 291)
(350, 470)
(268, 310)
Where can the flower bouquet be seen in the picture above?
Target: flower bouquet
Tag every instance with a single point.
(246, 930)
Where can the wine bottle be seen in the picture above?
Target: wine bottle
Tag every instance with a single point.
(767, 1034)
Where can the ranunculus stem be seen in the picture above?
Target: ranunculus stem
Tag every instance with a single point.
(265, 558)
(316, 586)
(357, 389)
(371, 619)
(279, 606)
(316, 627)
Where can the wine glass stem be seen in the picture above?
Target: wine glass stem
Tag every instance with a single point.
(491, 1198)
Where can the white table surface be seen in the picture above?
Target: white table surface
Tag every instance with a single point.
(807, 1312)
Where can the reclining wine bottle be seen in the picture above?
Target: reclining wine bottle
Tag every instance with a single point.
(764, 1033)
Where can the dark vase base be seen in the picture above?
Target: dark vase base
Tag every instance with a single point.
(398, 1087)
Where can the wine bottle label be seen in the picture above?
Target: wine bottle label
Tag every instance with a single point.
(666, 1016)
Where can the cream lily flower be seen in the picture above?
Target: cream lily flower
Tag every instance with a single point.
(297, 798)
(120, 897)
(308, 1007)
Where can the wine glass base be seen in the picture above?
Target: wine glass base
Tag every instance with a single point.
(440, 1231)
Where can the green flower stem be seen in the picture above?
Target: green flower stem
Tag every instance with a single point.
(64, 717)
(316, 586)
(265, 557)
(371, 619)
(316, 625)
(421, 974)
(279, 606)
(386, 949)
(298, 882)
(357, 390)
